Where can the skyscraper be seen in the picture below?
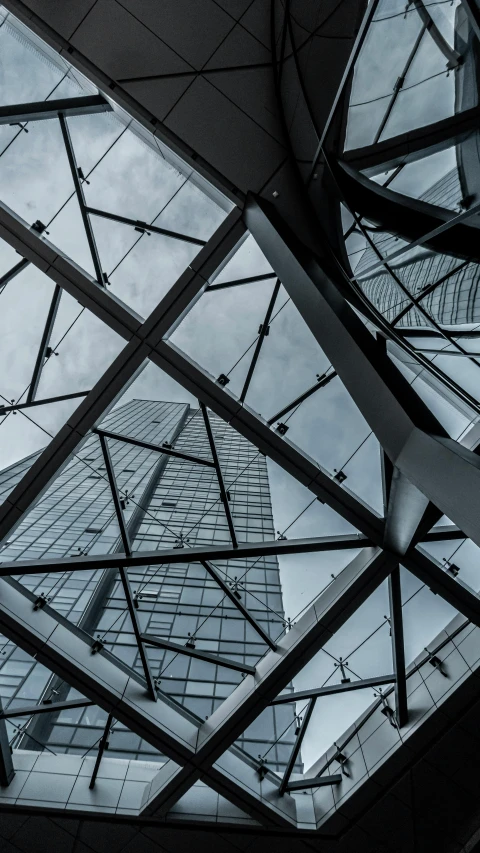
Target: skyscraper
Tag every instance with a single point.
(168, 502)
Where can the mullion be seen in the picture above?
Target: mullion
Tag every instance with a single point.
(231, 595)
(123, 572)
(42, 350)
(144, 226)
(261, 338)
(101, 749)
(81, 201)
(223, 492)
(296, 747)
(324, 380)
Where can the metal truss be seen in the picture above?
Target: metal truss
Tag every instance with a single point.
(415, 445)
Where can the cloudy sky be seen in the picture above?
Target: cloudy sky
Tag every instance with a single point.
(129, 177)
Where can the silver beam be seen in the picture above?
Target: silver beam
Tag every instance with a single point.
(41, 110)
(197, 553)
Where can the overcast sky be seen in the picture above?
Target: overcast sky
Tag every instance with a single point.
(135, 181)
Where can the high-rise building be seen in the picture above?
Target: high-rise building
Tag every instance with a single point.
(168, 502)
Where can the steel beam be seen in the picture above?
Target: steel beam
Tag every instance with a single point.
(45, 708)
(224, 284)
(81, 201)
(212, 571)
(152, 690)
(414, 144)
(296, 746)
(144, 226)
(264, 328)
(218, 470)
(398, 647)
(8, 276)
(321, 383)
(316, 782)
(127, 547)
(19, 406)
(41, 110)
(103, 745)
(45, 341)
(432, 574)
(197, 553)
(192, 652)
(332, 689)
(444, 533)
(168, 451)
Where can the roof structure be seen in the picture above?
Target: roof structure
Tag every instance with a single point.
(301, 129)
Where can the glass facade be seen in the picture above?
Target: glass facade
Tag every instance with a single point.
(168, 502)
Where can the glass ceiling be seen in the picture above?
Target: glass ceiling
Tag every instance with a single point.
(133, 217)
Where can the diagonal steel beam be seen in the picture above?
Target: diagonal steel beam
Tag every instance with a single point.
(453, 590)
(315, 782)
(168, 451)
(144, 226)
(197, 553)
(103, 745)
(92, 244)
(264, 329)
(19, 406)
(212, 571)
(8, 276)
(332, 689)
(42, 350)
(297, 745)
(41, 110)
(127, 547)
(223, 284)
(218, 470)
(190, 651)
(44, 708)
(324, 617)
(152, 690)
(320, 383)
